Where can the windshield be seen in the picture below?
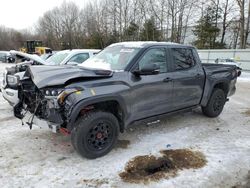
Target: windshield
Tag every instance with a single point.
(112, 58)
(57, 58)
(45, 56)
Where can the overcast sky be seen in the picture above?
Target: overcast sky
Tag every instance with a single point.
(22, 14)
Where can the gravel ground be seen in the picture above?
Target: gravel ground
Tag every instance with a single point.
(39, 158)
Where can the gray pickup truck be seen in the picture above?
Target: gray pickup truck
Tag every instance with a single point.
(126, 83)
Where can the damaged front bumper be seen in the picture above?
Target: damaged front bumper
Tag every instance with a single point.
(30, 119)
(50, 118)
(10, 95)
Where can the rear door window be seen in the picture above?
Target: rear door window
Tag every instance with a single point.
(183, 58)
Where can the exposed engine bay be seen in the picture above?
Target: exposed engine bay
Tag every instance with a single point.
(35, 101)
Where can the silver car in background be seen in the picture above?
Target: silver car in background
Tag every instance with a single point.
(6, 57)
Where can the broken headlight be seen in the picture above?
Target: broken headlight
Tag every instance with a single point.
(52, 92)
(12, 80)
(65, 93)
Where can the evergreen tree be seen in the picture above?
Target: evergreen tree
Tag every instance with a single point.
(95, 41)
(207, 30)
(131, 33)
(149, 31)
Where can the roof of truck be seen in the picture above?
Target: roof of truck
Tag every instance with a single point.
(142, 44)
(82, 50)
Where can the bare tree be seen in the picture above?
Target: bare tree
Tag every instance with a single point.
(247, 25)
(224, 21)
(101, 23)
(11, 39)
(60, 26)
(241, 4)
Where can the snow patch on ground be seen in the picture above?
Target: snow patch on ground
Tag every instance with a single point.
(245, 77)
(39, 158)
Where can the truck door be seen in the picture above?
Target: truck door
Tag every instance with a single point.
(188, 78)
(151, 94)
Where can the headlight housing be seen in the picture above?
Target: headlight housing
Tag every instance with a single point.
(52, 92)
(12, 80)
(60, 94)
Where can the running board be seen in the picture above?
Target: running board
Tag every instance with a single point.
(157, 118)
(154, 122)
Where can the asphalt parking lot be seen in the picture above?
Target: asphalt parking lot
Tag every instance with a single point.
(39, 158)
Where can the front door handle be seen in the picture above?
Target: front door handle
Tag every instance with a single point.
(168, 79)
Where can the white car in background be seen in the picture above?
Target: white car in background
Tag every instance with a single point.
(71, 57)
(9, 86)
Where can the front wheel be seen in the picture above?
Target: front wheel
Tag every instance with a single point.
(215, 104)
(95, 134)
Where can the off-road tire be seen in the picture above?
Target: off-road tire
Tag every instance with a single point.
(88, 128)
(215, 104)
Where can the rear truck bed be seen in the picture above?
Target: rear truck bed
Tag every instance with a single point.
(221, 76)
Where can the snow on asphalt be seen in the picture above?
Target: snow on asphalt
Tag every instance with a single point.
(245, 76)
(39, 158)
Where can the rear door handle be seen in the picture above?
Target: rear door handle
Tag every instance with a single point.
(168, 79)
(198, 76)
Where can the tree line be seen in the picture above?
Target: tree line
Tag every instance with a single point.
(211, 23)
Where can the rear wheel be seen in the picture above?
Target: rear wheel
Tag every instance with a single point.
(215, 104)
(95, 134)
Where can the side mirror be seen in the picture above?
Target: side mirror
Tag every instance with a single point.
(72, 63)
(11, 59)
(149, 69)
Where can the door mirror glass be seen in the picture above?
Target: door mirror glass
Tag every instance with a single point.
(72, 63)
(148, 69)
(10, 59)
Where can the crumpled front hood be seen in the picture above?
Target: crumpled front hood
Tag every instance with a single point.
(45, 76)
